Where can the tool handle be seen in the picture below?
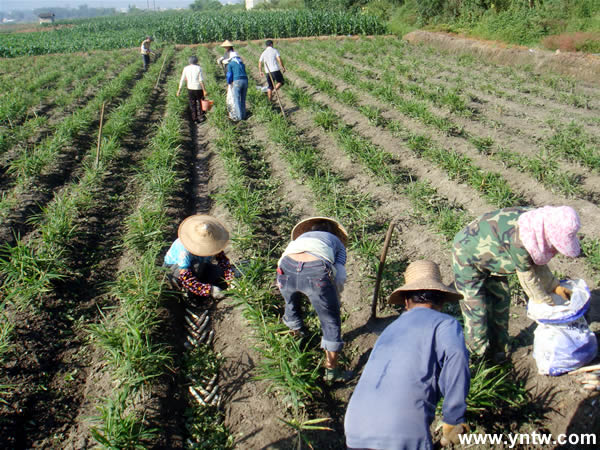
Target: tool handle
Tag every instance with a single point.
(386, 244)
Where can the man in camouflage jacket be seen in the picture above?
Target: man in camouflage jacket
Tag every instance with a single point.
(484, 253)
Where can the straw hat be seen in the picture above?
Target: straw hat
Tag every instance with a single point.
(306, 224)
(203, 235)
(423, 276)
(226, 43)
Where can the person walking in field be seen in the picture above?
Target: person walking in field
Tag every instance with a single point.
(192, 74)
(314, 264)
(200, 241)
(238, 83)
(146, 52)
(274, 68)
(418, 359)
(510, 240)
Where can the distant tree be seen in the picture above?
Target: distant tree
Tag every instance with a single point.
(132, 9)
(206, 5)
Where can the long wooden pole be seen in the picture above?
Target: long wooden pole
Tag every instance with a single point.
(160, 72)
(276, 90)
(386, 244)
(100, 135)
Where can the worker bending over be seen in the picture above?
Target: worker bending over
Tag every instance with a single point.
(314, 264)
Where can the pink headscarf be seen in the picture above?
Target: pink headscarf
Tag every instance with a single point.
(549, 230)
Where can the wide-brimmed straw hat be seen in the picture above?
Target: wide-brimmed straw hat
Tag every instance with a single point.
(226, 43)
(423, 276)
(203, 235)
(305, 225)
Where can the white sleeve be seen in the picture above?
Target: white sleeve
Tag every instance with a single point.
(200, 79)
(182, 78)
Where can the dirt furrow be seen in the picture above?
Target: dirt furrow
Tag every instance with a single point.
(515, 126)
(535, 192)
(65, 371)
(63, 171)
(456, 193)
(413, 242)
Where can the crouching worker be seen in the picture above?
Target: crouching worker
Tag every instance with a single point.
(314, 264)
(190, 258)
(418, 359)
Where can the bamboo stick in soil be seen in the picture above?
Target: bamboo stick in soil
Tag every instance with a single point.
(160, 71)
(99, 135)
(386, 244)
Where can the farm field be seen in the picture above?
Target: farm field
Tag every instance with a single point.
(93, 345)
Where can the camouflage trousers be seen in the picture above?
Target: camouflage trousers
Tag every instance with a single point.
(485, 309)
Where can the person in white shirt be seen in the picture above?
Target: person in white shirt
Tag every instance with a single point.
(274, 67)
(196, 90)
(146, 52)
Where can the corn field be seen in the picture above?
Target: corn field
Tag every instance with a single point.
(107, 33)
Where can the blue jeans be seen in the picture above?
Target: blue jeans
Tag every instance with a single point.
(315, 280)
(239, 89)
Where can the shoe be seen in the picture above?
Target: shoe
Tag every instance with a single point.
(337, 375)
(201, 119)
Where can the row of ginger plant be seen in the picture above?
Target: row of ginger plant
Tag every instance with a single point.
(75, 82)
(544, 167)
(33, 265)
(28, 89)
(28, 166)
(569, 142)
(423, 63)
(128, 336)
(73, 90)
(56, 84)
(308, 167)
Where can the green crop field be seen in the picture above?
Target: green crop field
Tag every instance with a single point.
(97, 350)
(107, 33)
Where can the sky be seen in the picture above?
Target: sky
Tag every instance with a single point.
(8, 5)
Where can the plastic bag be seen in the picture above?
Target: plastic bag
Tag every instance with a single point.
(562, 340)
(230, 103)
(562, 311)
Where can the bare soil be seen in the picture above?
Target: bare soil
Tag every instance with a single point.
(583, 66)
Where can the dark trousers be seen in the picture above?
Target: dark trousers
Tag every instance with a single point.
(195, 97)
(204, 272)
(146, 59)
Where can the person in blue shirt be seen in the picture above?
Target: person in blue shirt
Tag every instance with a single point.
(314, 264)
(200, 238)
(238, 81)
(418, 359)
